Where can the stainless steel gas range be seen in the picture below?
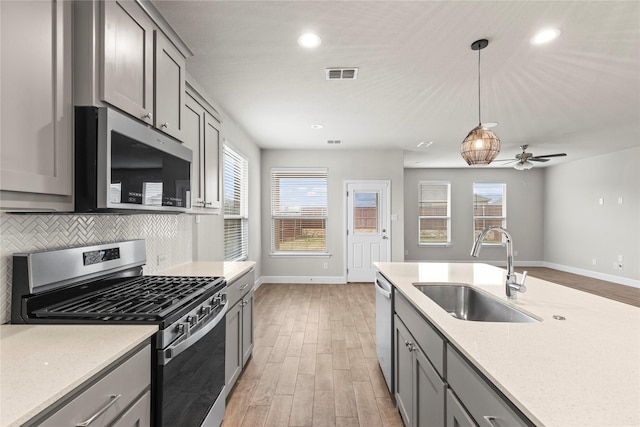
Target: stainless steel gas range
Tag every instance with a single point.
(104, 284)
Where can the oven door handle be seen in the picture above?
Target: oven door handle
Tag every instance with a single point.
(173, 351)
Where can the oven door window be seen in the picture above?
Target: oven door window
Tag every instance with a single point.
(144, 175)
(192, 381)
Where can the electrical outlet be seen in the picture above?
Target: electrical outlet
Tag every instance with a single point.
(325, 266)
(594, 261)
(515, 253)
(160, 259)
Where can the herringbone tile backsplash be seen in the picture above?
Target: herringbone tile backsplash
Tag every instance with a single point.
(168, 237)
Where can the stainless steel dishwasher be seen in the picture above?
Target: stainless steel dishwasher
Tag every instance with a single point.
(384, 327)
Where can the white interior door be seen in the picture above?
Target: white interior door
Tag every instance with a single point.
(368, 228)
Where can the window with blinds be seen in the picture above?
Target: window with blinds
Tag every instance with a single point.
(489, 209)
(434, 213)
(236, 211)
(299, 210)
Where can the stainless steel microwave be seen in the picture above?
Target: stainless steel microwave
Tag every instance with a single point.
(122, 165)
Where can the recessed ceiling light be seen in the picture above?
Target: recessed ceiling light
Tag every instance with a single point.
(424, 144)
(545, 36)
(309, 40)
(317, 126)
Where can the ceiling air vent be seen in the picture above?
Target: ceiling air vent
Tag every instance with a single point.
(341, 73)
(334, 141)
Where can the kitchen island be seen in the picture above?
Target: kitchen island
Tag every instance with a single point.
(581, 371)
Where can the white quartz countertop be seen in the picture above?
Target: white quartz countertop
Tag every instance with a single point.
(230, 270)
(582, 371)
(39, 364)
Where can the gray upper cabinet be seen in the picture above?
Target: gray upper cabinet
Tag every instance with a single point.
(124, 58)
(201, 133)
(169, 86)
(127, 65)
(36, 119)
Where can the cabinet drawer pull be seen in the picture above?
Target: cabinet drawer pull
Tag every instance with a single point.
(489, 419)
(112, 399)
(165, 125)
(243, 287)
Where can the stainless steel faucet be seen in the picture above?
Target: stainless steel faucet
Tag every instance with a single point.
(511, 285)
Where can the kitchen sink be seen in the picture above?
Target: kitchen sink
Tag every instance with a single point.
(466, 303)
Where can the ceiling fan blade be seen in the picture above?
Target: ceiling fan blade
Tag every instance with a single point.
(552, 155)
(537, 159)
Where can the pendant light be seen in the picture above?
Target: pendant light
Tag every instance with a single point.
(481, 145)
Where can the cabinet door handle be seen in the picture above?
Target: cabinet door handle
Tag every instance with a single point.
(147, 116)
(207, 204)
(112, 399)
(164, 125)
(489, 419)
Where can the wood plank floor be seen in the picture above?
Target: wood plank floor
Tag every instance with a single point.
(314, 361)
(614, 291)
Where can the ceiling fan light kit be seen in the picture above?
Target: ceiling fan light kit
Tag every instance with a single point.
(481, 145)
(523, 165)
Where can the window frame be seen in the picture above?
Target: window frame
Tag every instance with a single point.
(229, 152)
(322, 174)
(447, 217)
(502, 217)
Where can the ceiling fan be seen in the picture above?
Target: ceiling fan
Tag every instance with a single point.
(523, 160)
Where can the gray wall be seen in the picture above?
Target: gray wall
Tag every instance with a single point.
(578, 229)
(524, 214)
(342, 165)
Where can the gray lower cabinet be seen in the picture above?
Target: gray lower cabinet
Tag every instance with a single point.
(429, 395)
(239, 332)
(420, 392)
(120, 397)
(457, 416)
(36, 111)
(484, 404)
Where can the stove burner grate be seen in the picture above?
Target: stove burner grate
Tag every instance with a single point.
(146, 297)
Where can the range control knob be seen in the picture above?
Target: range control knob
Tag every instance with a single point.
(191, 320)
(205, 310)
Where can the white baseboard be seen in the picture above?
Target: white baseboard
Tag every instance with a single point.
(301, 279)
(594, 274)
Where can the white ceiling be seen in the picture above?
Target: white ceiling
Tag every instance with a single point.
(417, 74)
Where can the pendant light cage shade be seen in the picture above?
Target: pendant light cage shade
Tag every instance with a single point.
(480, 146)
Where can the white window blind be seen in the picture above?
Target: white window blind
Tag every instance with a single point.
(299, 210)
(236, 210)
(434, 213)
(489, 209)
